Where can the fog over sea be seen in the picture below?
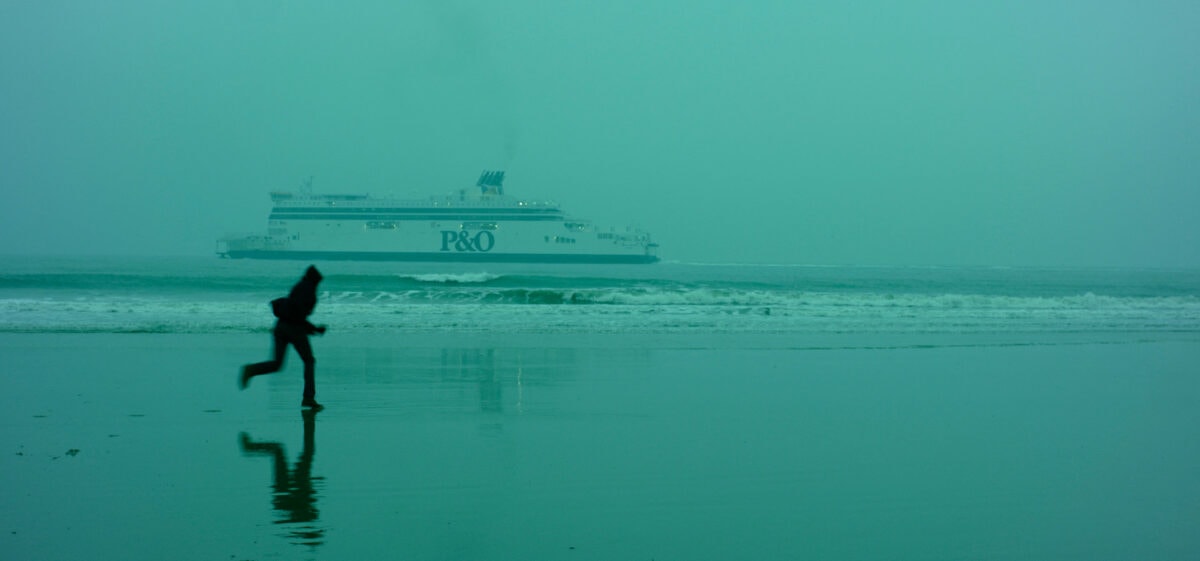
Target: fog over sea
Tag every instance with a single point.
(674, 411)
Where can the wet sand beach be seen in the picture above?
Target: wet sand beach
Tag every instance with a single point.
(139, 446)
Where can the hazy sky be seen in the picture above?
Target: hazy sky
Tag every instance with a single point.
(872, 132)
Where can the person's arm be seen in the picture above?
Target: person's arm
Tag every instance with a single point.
(318, 329)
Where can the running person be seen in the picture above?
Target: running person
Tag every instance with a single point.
(293, 328)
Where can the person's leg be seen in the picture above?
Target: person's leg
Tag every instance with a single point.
(304, 349)
(274, 365)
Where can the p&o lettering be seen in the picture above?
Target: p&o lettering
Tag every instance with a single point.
(462, 240)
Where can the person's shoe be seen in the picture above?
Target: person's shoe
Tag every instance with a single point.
(244, 378)
(311, 404)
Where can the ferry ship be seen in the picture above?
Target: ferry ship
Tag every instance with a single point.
(481, 225)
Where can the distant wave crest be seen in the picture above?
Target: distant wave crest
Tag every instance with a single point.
(452, 278)
(476, 306)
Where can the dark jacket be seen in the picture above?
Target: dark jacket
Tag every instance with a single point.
(302, 299)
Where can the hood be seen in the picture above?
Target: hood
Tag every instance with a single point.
(312, 274)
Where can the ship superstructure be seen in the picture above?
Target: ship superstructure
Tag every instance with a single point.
(476, 225)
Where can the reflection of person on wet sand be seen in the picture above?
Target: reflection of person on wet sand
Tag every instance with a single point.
(295, 496)
(293, 328)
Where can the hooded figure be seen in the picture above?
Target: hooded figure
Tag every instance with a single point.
(293, 328)
(301, 300)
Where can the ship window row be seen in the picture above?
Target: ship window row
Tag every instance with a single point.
(415, 210)
(559, 239)
(417, 217)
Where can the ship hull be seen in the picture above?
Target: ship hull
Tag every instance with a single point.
(442, 257)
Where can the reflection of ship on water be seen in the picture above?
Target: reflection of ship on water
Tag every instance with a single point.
(499, 381)
(294, 491)
(503, 376)
(479, 365)
(484, 378)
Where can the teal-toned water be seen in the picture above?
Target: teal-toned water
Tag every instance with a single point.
(138, 447)
(677, 411)
(211, 296)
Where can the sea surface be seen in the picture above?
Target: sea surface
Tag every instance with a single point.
(208, 295)
(673, 412)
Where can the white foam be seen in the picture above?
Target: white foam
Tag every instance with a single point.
(452, 278)
(477, 309)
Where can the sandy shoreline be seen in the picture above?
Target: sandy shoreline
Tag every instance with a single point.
(603, 449)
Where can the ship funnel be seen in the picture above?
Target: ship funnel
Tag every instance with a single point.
(491, 182)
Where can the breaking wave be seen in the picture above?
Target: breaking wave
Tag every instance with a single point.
(198, 296)
(617, 309)
(452, 278)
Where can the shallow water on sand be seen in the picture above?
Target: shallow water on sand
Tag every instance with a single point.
(141, 447)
